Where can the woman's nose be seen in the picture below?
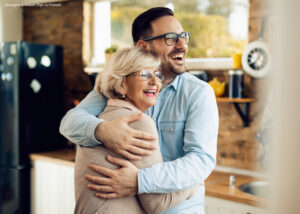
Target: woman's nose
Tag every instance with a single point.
(153, 80)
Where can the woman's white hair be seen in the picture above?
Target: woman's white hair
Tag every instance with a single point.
(121, 64)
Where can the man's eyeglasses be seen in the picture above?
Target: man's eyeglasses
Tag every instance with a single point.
(172, 38)
(148, 75)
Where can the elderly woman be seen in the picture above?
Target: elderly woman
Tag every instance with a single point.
(131, 81)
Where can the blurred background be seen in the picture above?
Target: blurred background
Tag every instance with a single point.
(51, 52)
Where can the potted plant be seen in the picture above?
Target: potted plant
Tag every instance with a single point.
(110, 51)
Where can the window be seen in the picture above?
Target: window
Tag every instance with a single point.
(219, 28)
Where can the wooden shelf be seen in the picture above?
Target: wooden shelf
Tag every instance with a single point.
(243, 112)
(234, 100)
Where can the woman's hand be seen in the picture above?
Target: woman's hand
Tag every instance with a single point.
(118, 183)
(118, 137)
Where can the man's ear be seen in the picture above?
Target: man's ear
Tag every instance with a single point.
(142, 44)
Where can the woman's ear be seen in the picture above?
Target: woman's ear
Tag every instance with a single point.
(123, 88)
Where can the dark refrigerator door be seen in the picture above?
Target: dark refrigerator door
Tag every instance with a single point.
(9, 114)
(41, 93)
(30, 114)
(14, 189)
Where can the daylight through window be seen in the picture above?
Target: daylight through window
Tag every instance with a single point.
(219, 28)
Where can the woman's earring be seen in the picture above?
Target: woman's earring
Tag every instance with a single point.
(123, 95)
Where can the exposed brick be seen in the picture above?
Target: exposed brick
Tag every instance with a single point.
(61, 26)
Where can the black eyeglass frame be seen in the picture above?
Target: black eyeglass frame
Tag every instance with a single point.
(164, 36)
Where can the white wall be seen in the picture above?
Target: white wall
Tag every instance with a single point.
(11, 21)
(286, 91)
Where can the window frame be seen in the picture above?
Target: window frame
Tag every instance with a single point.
(191, 63)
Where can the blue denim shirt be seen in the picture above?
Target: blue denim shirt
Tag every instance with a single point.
(186, 117)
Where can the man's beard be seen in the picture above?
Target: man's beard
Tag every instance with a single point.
(166, 66)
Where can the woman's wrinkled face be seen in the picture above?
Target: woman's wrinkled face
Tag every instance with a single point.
(141, 88)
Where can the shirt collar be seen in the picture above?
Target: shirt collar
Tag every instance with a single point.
(175, 83)
(122, 103)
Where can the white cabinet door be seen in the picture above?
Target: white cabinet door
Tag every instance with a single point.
(220, 206)
(52, 188)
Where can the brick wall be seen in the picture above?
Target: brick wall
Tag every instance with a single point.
(237, 145)
(61, 25)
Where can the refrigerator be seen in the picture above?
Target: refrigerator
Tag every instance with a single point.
(31, 107)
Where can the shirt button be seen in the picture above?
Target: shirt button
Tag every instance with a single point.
(171, 129)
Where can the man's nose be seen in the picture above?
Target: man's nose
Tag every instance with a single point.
(181, 43)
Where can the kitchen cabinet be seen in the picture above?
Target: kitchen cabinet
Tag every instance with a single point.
(52, 187)
(220, 206)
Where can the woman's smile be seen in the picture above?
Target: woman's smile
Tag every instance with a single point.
(152, 93)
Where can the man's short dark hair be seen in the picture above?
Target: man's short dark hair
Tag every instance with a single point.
(141, 26)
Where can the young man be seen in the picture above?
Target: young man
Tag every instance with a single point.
(185, 114)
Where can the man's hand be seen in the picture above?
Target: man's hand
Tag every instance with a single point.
(117, 183)
(118, 137)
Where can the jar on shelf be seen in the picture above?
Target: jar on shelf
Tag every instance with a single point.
(236, 84)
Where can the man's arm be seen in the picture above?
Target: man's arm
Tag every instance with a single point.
(81, 126)
(152, 203)
(200, 147)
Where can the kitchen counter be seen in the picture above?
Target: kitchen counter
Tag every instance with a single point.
(63, 156)
(216, 185)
